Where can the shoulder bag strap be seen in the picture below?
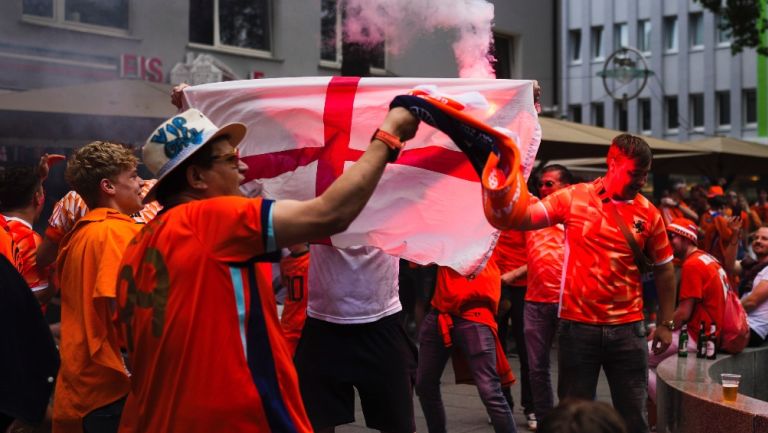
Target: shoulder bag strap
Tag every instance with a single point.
(640, 259)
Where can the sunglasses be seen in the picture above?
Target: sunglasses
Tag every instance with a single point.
(231, 158)
(547, 183)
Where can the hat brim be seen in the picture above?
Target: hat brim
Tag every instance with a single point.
(235, 131)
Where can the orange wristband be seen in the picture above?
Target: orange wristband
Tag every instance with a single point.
(392, 141)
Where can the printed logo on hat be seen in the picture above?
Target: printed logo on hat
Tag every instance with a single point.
(183, 136)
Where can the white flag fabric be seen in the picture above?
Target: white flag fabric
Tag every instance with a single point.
(303, 132)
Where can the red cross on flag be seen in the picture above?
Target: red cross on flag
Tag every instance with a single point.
(303, 133)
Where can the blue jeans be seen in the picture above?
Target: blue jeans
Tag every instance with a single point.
(540, 328)
(477, 343)
(621, 350)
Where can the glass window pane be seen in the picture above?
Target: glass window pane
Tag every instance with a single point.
(671, 109)
(644, 108)
(697, 30)
(598, 118)
(574, 37)
(328, 43)
(245, 24)
(621, 116)
(574, 113)
(501, 52)
(107, 13)
(620, 36)
(201, 21)
(723, 108)
(723, 36)
(697, 110)
(670, 33)
(750, 106)
(40, 8)
(597, 42)
(644, 36)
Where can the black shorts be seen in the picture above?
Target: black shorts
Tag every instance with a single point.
(377, 358)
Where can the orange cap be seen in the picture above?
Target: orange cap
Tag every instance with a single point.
(685, 228)
(714, 191)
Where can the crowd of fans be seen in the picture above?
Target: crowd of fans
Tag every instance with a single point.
(169, 322)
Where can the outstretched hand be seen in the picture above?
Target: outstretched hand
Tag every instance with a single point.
(46, 161)
(177, 94)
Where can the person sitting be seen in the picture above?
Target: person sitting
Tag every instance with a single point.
(754, 301)
(582, 416)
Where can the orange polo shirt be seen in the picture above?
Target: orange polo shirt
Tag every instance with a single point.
(92, 372)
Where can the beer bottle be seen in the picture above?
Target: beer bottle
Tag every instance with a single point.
(701, 344)
(711, 340)
(682, 343)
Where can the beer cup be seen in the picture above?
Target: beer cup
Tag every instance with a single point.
(730, 384)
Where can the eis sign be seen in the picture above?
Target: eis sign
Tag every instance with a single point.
(140, 67)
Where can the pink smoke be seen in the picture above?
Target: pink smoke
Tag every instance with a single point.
(399, 21)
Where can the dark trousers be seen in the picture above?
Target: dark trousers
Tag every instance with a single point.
(621, 351)
(516, 296)
(479, 346)
(105, 419)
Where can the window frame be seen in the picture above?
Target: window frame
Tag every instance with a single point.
(719, 34)
(719, 104)
(696, 111)
(574, 46)
(642, 103)
(58, 20)
(696, 31)
(667, 126)
(595, 108)
(596, 44)
(216, 44)
(667, 38)
(339, 27)
(745, 107)
(620, 35)
(644, 28)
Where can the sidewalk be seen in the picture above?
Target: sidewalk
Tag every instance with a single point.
(464, 410)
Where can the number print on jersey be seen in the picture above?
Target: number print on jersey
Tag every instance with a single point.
(157, 299)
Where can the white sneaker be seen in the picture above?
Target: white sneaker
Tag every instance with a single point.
(532, 422)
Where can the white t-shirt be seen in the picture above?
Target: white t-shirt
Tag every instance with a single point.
(352, 285)
(758, 318)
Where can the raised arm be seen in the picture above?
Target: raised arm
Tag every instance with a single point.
(333, 211)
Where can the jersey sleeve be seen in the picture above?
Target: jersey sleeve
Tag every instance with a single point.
(557, 205)
(65, 214)
(235, 229)
(113, 243)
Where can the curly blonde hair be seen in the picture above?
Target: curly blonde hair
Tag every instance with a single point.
(96, 161)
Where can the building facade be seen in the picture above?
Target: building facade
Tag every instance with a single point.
(696, 88)
(50, 43)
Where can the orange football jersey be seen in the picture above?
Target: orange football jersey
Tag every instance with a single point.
(293, 273)
(703, 279)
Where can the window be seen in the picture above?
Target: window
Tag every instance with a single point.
(111, 14)
(670, 109)
(598, 114)
(750, 106)
(504, 53)
(644, 36)
(597, 42)
(697, 110)
(574, 44)
(670, 33)
(620, 36)
(621, 116)
(644, 113)
(574, 113)
(239, 24)
(723, 108)
(331, 30)
(696, 30)
(723, 36)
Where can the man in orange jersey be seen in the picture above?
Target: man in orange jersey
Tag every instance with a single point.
(71, 208)
(463, 319)
(545, 249)
(205, 344)
(21, 201)
(703, 288)
(8, 247)
(601, 317)
(294, 270)
(93, 379)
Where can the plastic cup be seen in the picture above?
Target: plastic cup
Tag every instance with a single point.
(730, 384)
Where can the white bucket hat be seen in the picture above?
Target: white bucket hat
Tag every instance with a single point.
(178, 138)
